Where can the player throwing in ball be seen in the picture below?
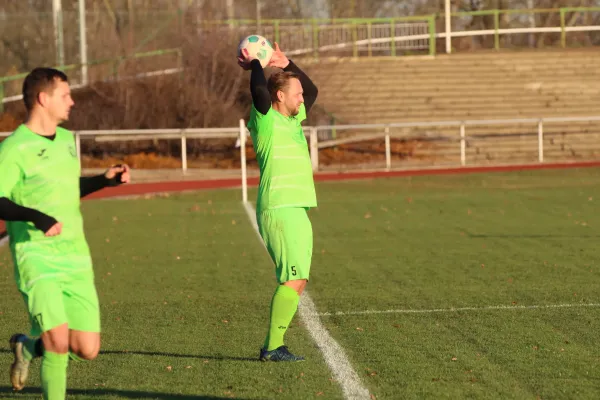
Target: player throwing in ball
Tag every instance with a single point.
(286, 190)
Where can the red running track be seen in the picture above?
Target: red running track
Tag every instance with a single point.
(137, 189)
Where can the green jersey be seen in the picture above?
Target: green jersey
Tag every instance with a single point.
(54, 274)
(44, 175)
(286, 177)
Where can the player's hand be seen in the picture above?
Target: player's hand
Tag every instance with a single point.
(244, 60)
(278, 59)
(55, 230)
(120, 171)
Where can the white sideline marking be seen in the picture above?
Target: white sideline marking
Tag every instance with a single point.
(3, 241)
(452, 310)
(333, 353)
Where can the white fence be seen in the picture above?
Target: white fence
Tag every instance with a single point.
(457, 142)
(461, 138)
(370, 132)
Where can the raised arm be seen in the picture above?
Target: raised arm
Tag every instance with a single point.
(258, 83)
(280, 60)
(310, 90)
(258, 87)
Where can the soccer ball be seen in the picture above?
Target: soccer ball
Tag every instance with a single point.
(257, 47)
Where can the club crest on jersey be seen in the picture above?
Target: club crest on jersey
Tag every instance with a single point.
(73, 151)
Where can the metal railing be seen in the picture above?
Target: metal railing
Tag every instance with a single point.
(498, 17)
(381, 132)
(372, 36)
(377, 132)
(393, 36)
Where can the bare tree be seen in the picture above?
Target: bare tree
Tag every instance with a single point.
(26, 37)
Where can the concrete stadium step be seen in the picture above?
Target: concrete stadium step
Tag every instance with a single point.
(496, 111)
(435, 102)
(479, 85)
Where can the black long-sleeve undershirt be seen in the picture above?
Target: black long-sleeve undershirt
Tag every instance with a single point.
(258, 88)
(11, 211)
(309, 88)
(91, 184)
(260, 92)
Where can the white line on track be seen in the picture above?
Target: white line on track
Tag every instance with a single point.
(453, 310)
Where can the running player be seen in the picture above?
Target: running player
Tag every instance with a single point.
(40, 193)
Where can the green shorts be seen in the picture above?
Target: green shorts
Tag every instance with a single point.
(287, 234)
(58, 288)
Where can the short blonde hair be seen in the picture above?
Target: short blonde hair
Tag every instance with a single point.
(280, 81)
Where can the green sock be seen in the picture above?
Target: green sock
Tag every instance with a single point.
(283, 307)
(32, 347)
(54, 375)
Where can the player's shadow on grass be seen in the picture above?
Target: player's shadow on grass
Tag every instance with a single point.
(7, 392)
(200, 357)
(152, 353)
